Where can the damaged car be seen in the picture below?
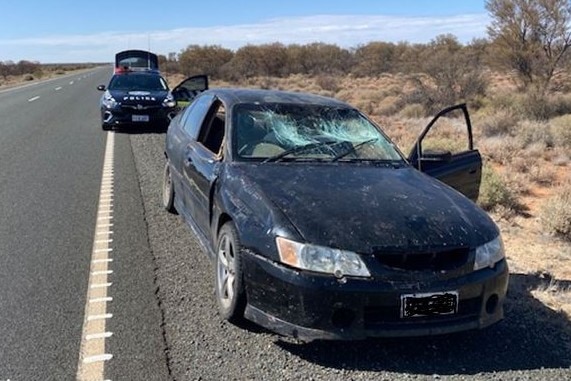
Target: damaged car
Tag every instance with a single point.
(320, 228)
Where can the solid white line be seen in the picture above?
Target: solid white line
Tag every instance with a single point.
(101, 285)
(99, 300)
(103, 335)
(34, 98)
(104, 241)
(106, 232)
(105, 225)
(99, 317)
(103, 250)
(104, 218)
(106, 260)
(98, 358)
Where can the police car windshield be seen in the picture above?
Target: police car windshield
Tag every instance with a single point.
(134, 82)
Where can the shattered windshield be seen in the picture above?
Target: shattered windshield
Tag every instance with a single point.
(275, 132)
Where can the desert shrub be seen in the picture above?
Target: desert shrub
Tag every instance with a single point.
(561, 131)
(28, 77)
(328, 82)
(388, 106)
(501, 149)
(414, 110)
(533, 132)
(541, 173)
(500, 122)
(555, 215)
(495, 193)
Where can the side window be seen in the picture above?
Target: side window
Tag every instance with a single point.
(212, 132)
(195, 115)
(447, 135)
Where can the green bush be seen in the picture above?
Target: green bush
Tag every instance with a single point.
(495, 193)
(555, 214)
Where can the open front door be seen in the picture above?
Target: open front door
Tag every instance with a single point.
(188, 89)
(445, 150)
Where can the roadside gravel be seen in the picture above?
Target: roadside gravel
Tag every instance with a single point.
(533, 343)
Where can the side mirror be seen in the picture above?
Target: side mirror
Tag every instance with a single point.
(101, 87)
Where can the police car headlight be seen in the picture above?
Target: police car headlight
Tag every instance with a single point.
(169, 101)
(108, 100)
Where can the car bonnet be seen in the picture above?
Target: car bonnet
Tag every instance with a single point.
(365, 208)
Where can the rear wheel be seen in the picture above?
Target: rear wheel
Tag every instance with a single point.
(229, 280)
(168, 190)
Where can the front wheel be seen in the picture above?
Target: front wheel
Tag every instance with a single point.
(168, 191)
(229, 280)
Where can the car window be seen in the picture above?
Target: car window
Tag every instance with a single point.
(213, 128)
(448, 134)
(195, 115)
(138, 82)
(303, 131)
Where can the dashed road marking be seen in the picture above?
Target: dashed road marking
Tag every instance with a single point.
(58, 88)
(92, 356)
(71, 82)
(34, 98)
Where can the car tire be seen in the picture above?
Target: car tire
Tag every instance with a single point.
(230, 293)
(168, 191)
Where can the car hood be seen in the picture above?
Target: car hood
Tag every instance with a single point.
(367, 208)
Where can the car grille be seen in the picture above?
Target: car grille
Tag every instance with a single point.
(140, 107)
(428, 260)
(375, 315)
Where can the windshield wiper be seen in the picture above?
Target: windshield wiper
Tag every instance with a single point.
(353, 149)
(297, 149)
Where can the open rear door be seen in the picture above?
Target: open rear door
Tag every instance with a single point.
(188, 89)
(449, 154)
(136, 60)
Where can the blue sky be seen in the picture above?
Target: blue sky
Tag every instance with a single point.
(82, 31)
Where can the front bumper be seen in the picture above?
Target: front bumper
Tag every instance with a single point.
(129, 116)
(312, 306)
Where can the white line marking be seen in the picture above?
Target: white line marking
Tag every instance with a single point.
(105, 225)
(104, 241)
(34, 98)
(106, 232)
(106, 260)
(99, 317)
(104, 272)
(58, 88)
(105, 218)
(101, 285)
(98, 358)
(99, 300)
(95, 336)
(108, 250)
(71, 82)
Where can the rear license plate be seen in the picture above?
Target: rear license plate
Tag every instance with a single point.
(429, 304)
(140, 118)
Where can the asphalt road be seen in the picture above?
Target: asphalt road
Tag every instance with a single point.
(164, 319)
(51, 159)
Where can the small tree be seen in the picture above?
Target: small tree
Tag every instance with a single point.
(531, 37)
(207, 59)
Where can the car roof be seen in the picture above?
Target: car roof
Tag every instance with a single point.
(232, 96)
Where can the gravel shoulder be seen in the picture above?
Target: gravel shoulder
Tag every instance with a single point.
(532, 343)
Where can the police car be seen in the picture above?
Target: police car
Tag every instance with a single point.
(138, 94)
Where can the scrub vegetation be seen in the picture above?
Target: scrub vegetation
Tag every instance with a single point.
(14, 73)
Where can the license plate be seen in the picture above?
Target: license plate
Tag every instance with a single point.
(140, 118)
(429, 304)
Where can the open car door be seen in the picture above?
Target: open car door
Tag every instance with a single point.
(459, 166)
(136, 60)
(188, 89)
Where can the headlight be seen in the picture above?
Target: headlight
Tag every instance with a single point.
(169, 101)
(321, 259)
(489, 254)
(109, 101)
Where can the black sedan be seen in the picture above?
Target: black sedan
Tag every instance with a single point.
(321, 229)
